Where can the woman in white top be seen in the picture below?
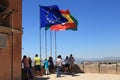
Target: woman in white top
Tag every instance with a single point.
(66, 64)
(59, 65)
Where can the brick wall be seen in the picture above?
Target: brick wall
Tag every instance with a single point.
(10, 56)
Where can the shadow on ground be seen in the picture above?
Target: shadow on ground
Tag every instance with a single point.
(75, 74)
(43, 78)
(76, 70)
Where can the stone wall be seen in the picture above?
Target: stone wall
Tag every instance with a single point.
(98, 67)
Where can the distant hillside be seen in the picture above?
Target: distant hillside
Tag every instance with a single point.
(97, 59)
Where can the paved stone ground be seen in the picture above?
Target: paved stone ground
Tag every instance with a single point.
(81, 76)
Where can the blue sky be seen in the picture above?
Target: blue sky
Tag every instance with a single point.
(98, 32)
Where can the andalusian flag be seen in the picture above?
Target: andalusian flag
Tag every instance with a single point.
(70, 24)
(76, 23)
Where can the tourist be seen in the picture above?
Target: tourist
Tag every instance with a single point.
(51, 65)
(66, 64)
(26, 65)
(46, 66)
(37, 63)
(71, 61)
(59, 65)
(30, 62)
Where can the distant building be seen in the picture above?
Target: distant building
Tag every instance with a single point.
(10, 39)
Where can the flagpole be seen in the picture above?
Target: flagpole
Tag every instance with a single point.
(55, 47)
(51, 43)
(40, 42)
(45, 44)
(40, 38)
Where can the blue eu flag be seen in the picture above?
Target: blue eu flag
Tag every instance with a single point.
(51, 15)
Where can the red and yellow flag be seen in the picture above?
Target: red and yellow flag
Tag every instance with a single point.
(69, 24)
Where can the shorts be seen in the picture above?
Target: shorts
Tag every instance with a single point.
(37, 67)
(67, 65)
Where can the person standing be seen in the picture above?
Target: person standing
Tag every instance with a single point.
(51, 65)
(26, 65)
(30, 62)
(37, 64)
(59, 65)
(71, 61)
(66, 64)
(46, 66)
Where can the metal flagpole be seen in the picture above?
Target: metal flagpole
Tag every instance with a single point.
(55, 47)
(46, 44)
(40, 40)
(51, 43)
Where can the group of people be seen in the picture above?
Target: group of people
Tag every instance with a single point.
(69, 64)
(48, 65)
(27, 65)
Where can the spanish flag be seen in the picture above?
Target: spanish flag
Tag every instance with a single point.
(70, 24)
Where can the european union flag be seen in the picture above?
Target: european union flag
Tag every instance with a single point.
(50, 15)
